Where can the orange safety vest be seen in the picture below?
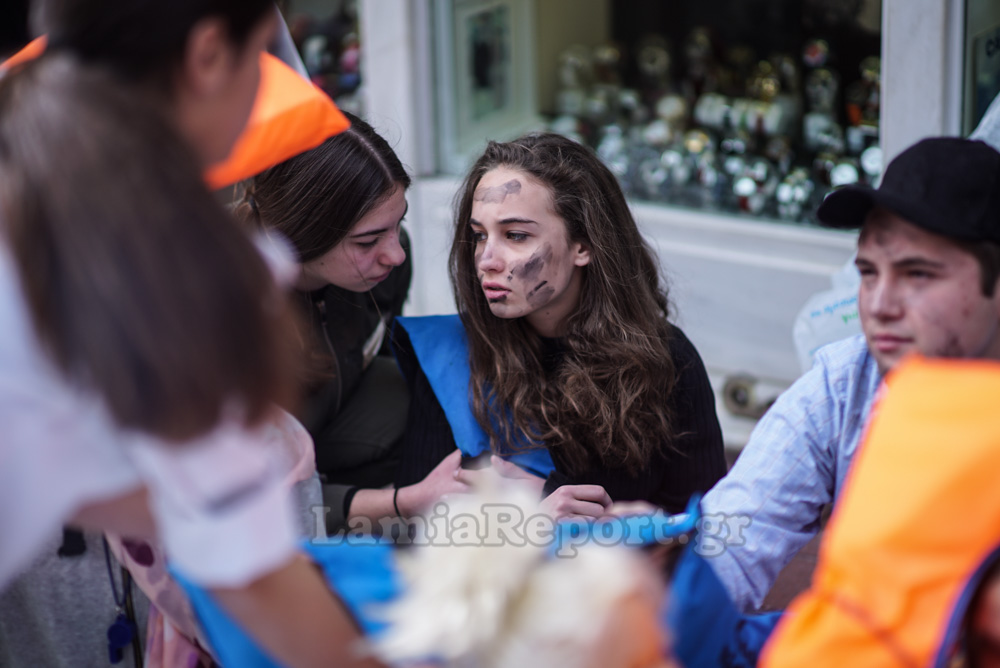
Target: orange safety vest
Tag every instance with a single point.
(290, 116)
(917, 525)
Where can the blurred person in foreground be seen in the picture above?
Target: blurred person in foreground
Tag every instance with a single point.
(145, 344)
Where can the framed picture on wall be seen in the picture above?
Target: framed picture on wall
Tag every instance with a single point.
(985, 84)
(486, 76)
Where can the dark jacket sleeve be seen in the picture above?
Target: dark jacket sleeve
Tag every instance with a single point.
(342, 325)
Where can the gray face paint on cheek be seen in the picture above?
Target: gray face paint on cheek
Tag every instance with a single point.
(535, 289)
(540, 294)
(530, 272)
(498, 194)
(531, 269)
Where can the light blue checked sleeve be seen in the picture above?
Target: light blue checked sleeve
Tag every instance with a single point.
(795, 462)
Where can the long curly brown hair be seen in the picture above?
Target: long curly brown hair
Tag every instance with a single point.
(609, 400)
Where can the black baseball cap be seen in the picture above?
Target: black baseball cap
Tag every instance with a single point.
(946, 185)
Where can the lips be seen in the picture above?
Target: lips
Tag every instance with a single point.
(889, 343)
(495, 291)
(379, 279)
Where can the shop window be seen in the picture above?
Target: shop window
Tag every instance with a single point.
(744, 107)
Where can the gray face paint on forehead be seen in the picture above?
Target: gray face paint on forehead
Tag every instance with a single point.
(497, 194)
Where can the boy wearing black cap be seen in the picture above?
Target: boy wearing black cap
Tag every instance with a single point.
(929, 257)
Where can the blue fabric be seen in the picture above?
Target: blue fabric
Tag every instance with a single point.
(707, 629)
(638, 530)
(796, 460)
(362, 575)
(442, 349)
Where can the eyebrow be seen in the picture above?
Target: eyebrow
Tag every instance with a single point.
(906, 262)
(371, 233)
(917, 262)
(506, 221)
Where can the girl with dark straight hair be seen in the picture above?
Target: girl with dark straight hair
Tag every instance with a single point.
(573, 366)
(146, 343)
(341, 207)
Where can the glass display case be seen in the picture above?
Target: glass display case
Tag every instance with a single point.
(749, 107)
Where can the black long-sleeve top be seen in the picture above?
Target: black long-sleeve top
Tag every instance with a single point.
(692, 462)
(343, 323)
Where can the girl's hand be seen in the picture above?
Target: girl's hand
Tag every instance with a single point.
(444, 479)
(577, 502)
(567, 502)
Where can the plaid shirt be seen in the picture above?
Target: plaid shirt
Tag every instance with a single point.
(793, 465)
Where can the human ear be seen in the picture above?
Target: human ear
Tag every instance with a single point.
(208, 58)
(581, 254)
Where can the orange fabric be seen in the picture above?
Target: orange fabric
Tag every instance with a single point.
(32, 50)
(920, 512)
(290, 116)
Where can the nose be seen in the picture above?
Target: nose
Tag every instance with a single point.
(490, 260)
(393, 254)
(883, 301)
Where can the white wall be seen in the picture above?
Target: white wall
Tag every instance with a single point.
(921, 71)
(389, 88)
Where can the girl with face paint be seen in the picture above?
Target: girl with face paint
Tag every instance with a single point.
(526, 263)
(571, 355)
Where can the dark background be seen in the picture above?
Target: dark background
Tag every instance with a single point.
(13, 26)
(767, 26)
